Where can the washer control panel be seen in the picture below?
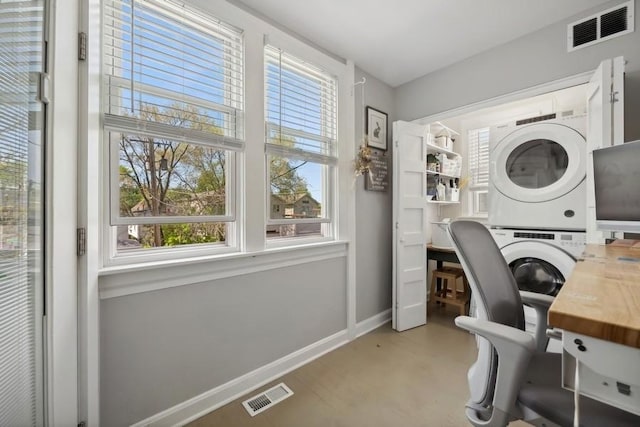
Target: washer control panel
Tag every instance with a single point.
(573, 242)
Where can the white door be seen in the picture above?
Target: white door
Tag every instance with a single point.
(22, 212)
(605, 125)
(409, 222)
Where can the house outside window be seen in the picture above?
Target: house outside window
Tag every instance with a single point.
(301, 146)
(173, 119)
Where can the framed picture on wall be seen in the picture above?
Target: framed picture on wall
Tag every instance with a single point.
(376, 128)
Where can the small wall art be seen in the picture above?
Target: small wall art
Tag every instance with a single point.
(376, 127)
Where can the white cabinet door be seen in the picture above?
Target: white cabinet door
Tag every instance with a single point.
(605, 125)
(409, 222)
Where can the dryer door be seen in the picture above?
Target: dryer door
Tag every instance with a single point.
(538, 266)
(539, 162)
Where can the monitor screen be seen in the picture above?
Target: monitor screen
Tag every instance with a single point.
(616, 176)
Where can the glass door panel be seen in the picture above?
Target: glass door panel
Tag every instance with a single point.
(22, 26)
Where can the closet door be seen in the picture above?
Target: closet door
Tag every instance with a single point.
(21, 213)
(409, 222)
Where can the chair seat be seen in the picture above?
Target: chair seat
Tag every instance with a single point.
(543, 393)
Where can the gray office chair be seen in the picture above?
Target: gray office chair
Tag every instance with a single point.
(512, 378)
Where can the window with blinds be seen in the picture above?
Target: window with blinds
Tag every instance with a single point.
(300, 107)
(167, 65)
(301, 144)
(21, 212)
(478, 143)
(174, 119)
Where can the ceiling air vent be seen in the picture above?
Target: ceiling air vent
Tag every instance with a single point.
(610, 23)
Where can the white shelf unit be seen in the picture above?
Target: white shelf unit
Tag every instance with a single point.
(443, 202)
(429, 172)
(433, 130)
(432, 148)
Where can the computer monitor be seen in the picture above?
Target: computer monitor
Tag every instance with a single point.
(616, 176)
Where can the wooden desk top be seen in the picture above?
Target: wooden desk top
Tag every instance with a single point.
(440, 249)
(601, 298)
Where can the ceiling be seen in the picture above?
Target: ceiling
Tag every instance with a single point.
(398, 41)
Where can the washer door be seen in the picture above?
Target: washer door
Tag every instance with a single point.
(536, 275)
(538, 163)
(538, 266)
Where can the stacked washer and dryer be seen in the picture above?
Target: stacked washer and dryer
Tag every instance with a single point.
(537, 199)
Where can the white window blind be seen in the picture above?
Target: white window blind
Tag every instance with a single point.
(173, 119)
(21, 118)
(172, 71)
(479, 157)
(301, 108)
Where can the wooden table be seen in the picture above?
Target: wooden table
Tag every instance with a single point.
(601, 298)
(598, 309)
(441, 255)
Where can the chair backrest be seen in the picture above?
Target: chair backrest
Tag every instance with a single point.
(496, 295)
(488, 273)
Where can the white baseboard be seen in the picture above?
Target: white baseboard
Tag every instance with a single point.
(201, 405)
(373, 322)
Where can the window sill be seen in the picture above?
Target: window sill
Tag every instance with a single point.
(131, 279)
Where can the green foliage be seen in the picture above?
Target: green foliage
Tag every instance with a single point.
(283, 172)
(164, 177)
(160, 176)
(130, 192)
(184, 234)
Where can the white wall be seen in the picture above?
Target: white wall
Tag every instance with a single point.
(531, 60)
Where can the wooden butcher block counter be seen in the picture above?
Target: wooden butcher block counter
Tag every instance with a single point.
(601, 298)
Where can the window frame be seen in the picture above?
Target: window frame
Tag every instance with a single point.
(476, 190)
(114, 193)
(327, 158)
(246, 236)
(233, 145)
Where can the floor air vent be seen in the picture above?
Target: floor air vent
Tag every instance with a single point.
(267, 399)
(602, 26)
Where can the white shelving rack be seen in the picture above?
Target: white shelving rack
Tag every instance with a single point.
(432, 130)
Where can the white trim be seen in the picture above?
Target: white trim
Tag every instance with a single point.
(208, 401)
(374, 322)
(300, 49)
(89, 181)
(61, 327)
(215, 398)
(517, 95)
(346, 201)
(169, 274)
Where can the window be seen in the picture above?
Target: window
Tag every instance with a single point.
(301, 145)
(173, 123)
(478, 170)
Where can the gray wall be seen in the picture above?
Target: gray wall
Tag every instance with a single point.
(534, 59)
(373, 211)
(161, 348)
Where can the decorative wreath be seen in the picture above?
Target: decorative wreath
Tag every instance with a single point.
(363, 160)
